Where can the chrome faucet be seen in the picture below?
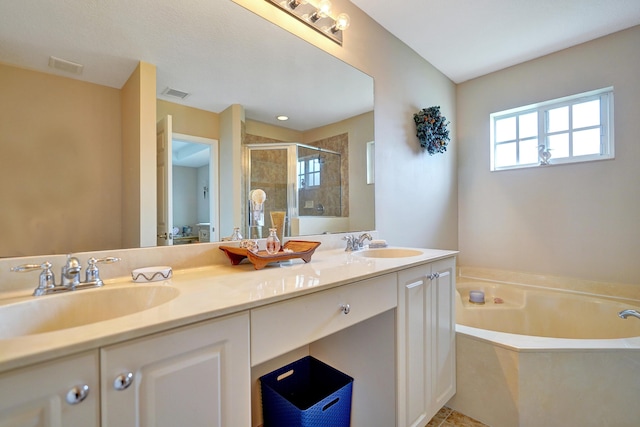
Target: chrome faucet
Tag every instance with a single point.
(356, 243)
(629, 312)
(70, 275)
(362, 238)
(70, 272)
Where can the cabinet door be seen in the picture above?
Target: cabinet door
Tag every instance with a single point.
(426, 341)
(442, 334)
(55, 394)
(194, 376)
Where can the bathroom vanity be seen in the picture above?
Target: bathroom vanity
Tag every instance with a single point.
(384, 318)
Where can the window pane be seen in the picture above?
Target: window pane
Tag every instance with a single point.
(586, 142)
(528, 151)
(558, 119)
(559, 145)
(506, 129)
(586, 114)
(506, 155)
(528, 125)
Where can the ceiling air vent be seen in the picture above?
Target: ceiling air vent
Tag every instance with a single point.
(175, 93)
(64, 65)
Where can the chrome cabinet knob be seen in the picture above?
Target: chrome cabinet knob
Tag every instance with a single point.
(77, 394)
(123, 381)
(345, 308)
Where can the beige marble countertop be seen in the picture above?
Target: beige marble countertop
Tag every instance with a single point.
(205, 293)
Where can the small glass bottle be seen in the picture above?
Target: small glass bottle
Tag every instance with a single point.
(273, 243)
(236, 234)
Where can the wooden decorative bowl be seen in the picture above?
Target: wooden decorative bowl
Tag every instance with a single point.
(300, 249)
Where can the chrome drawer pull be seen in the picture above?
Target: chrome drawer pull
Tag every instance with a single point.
(123, 381)
(77, 394)
(345, 308)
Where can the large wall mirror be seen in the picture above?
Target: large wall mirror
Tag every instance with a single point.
(62, 176)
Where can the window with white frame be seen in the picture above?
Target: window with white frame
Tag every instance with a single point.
(309, 172)
(576, 128)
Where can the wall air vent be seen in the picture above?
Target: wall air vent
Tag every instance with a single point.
(175, 93)
(64, 65)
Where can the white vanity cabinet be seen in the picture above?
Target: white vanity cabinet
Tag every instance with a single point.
(284, 326)
(63, 392)
(391, 327)
(426, 341)
(193, 376)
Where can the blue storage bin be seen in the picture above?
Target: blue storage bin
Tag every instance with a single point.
(306, 393)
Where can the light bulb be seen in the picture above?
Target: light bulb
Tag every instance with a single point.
(324, 10)
(342, 22)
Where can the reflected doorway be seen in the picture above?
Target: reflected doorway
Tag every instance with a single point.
(194, 164)
(187, 187)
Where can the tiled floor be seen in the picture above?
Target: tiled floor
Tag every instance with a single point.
(450, 418)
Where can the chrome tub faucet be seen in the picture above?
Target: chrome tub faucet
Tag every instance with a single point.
(629, 312)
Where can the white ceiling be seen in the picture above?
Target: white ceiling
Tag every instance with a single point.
(465, 39)
(216, 50)
(207, 47)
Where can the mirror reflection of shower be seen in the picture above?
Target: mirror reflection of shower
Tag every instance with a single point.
(319, 180)
(303, 181)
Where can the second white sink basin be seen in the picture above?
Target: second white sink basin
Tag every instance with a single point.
(389, 253)
(78, 308)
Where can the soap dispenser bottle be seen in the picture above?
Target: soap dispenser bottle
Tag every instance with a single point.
(236, 234)
(273, 243)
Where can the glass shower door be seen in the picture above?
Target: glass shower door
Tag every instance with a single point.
(272, 168)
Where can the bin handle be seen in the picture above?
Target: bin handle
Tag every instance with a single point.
(284, 375)
(330, 404)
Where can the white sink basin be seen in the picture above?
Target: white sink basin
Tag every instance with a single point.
(389, 253)
(78, 308)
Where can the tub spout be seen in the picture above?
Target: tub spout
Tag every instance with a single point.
(629, 312)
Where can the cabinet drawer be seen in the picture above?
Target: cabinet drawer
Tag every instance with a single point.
(285, 326)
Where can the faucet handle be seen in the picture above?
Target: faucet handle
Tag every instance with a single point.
(47, 278)
(92, 273)
(350, 242)
(23, 268)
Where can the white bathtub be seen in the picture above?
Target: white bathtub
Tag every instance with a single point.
(543, 357)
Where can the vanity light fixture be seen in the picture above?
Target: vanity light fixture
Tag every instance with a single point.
(317, 15)
(323, 11)
(342, 23)
(295, 3)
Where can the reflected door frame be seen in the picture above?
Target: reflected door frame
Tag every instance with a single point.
(214, 181)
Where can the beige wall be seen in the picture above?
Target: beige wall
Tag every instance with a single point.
(416, 194)
(580, 220)
(276, 133)
(60, 164)
(139, 210)
(190, 121)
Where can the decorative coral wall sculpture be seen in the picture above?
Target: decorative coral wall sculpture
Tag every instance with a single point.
(432, 131)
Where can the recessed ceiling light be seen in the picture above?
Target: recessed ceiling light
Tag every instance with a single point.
(282, 117)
